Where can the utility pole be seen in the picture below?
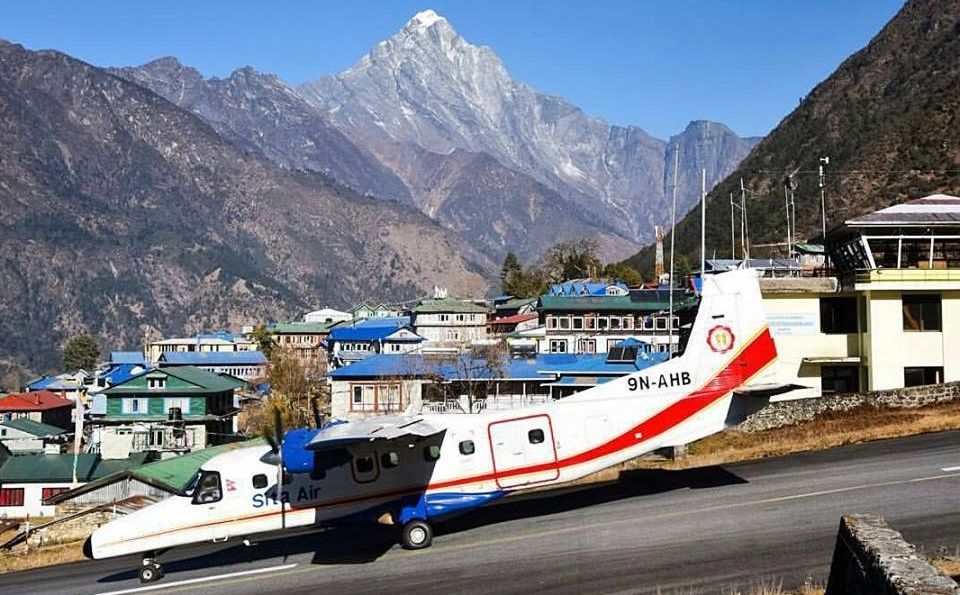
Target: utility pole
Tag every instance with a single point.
(823, 201)
(744, 229)
(673, 235)
(733, 233)
(703, 222)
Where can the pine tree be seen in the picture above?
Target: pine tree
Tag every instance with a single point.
(80, 353)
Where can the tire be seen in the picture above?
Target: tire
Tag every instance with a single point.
(417, 535)
(150, 573)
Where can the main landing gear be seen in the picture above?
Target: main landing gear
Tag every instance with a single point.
(417, 534)
(150, 569)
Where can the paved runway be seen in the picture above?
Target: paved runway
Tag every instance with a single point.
(709, 530)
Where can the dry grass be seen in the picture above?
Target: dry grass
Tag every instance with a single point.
(949, 566)
(827, 431)
(50, 555)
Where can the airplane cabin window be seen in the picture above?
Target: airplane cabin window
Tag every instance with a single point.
(467, 447)
(535, 436)
(208, 488)
(364, 464)
(259, 481)
(431, 453)
(388, 460)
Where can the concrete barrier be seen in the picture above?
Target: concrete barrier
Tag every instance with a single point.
(870, 558)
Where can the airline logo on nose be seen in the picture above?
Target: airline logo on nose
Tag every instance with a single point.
(720, 339)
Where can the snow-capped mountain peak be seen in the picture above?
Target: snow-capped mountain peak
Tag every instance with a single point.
(425, 19)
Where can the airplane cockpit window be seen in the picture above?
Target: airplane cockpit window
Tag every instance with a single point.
(208, 488)
(467, 447)
(193, 484)
(259, 481)
(431, 453)
(388, 460)
(535, 436)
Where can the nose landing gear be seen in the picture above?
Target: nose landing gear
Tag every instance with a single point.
(417, 534)
(150, 569)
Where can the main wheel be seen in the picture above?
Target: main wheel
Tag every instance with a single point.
(417, 535)
(150, 573)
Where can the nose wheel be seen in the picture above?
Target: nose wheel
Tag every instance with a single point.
(417, 535)
(150, 570)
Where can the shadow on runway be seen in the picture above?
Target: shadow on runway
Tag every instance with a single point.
(361, 544)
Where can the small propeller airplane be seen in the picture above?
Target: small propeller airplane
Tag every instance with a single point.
(410, 470)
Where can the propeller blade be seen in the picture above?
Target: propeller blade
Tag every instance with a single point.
(274, 446)
(277, 426)
(317, 418)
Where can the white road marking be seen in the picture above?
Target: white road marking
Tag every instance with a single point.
(948, 469)
(203, 579)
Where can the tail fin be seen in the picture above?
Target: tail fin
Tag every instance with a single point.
(730, 341)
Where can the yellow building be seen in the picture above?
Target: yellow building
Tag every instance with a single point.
(889, 318)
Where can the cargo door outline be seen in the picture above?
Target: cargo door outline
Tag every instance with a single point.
(507, 436)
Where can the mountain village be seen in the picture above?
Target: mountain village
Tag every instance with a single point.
(139, 424)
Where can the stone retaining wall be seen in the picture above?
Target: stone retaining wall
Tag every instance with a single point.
(872, 559)
(786, 413)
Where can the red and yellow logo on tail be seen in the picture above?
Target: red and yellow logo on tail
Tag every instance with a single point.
(720, 339)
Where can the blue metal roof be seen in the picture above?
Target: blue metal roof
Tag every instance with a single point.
(584, 287)
(448, 368)
(372, 330)
(126, 357)
(118, 373)
(213, 358)
(41, 383)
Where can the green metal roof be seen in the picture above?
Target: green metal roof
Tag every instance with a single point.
(515, 303)
(301, 327)
(173, 474)
(603, 303)
(454, 305)
(204, 381)
(44, 468)
(32, 427)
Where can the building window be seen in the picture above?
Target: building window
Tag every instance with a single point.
(602, 324)
(134, 406)
(459, 317)
(661, 324)
(180, 403)
(47, 493)
(921, 313)
(614, 323)
(564, 323)
(577, 322)
(590, 323)
(839, 379)
(838, 315)
(156, 383)
(587, 345)
(11, 496)
(551, 322)
(628, 323)
(558, 346)
(920, 375)
(648, 323)
(444, 317)
(389, 398)
(364, 398)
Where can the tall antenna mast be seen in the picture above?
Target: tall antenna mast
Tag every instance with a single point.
(658, 263)
(703, 222)
(733, 233)
(786, 204)
(823, 201)
(673, 235)
(744, 238)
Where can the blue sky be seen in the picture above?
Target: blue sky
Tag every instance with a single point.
(656, 65)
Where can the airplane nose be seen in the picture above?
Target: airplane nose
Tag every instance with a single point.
(88, 548)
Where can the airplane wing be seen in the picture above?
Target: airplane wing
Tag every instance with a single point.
(766, 390)
(374, 429)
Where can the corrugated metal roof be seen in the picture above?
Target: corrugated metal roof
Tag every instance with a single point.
(213, 358)
(605, 303)
(933, 210)
(373, 333)
(32, 427)
(126, 357)
(448, 305)
(306, 328)
(206, 382)
(38, 400)
(44, 468)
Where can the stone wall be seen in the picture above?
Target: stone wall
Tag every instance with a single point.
(785, 413)
(872, 559)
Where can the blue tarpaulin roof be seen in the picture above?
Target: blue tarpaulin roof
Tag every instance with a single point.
(126, 357)
(118, 373)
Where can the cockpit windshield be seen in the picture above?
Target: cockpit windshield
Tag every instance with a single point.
(207, 488)
(193, 484)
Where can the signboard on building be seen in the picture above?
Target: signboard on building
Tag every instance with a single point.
(792, 325)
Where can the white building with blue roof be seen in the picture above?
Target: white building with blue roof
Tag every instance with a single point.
(350, 343)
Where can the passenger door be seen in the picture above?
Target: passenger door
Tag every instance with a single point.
(523, 451)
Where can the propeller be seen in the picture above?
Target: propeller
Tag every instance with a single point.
(275, 440)
(317, 417)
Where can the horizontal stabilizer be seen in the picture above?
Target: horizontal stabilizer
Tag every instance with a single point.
(374, 429)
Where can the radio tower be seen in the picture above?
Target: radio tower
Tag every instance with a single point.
(658, 270)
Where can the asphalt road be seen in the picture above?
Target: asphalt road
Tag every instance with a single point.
(712, 530)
